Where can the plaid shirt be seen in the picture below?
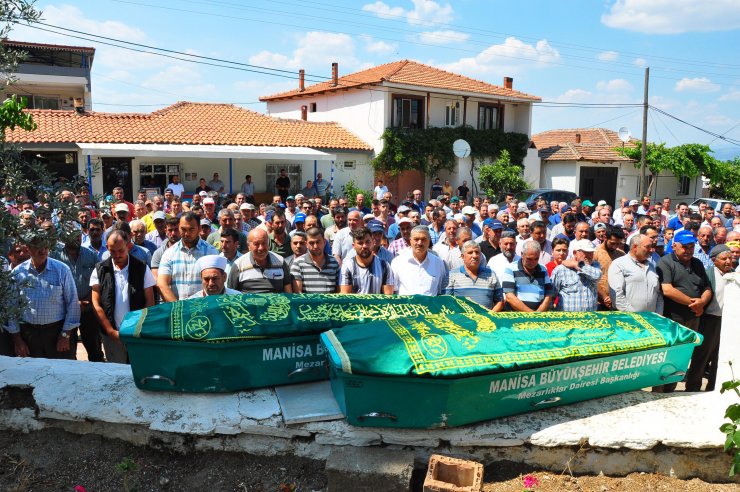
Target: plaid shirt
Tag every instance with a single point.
(179, 263)
(576, 289)
(51, 294)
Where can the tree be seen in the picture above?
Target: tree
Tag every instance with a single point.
(690, 160)
(501, 176)
(728, 186)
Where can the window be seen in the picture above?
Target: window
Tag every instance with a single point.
(312, 107)
(349, 165)
(158, 174)
(408, 112)
(452, 114)
(489, 116)
(45, 102)
(684, 184)
(294, 172)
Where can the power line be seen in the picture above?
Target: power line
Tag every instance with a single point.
(714, 134)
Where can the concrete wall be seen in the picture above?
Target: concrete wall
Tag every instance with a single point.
(560, 175)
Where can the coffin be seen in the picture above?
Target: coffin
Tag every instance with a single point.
(450, 370)
(230, 343)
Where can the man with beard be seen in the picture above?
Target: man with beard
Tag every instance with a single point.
(172, 230)
(81, 262)
(508, 255)
(158, 235)
(229, 248)
(297, 246)
(416, 270)
(364, 272)
(686, 288)
(95, 238)
(260, 270)
(605, 254)
(376, 230)
(176, 277)
(475, 281)
(340, 222)
(315, 272)
(706, 356)
(490, 246)
(212, 271)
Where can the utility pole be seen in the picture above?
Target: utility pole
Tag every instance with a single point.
(643, 159)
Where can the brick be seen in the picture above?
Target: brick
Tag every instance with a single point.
(447, 474)
(359, 469)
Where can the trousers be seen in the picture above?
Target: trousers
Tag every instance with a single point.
(705, 355)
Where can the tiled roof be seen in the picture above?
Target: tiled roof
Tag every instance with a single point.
(596, 145)
(409, 73)
(186, 123)
(53, 47)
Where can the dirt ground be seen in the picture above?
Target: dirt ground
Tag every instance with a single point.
(54, 460)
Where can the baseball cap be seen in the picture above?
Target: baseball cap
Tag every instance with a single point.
(543, 210)
(249, 206)
(375, 226)
(599, 225)
(493, 224)
(168, 189)
(405, 220)
(565, 208)
(203, 193)
(718, 250)
(159, 215)
(299, 217)
(105, 211)
(601, 203)
(583, 245)
(244, 206)
(299, 196)
(121, 207)
(468, 210)
(205, 222)
(633, 202)
(587, 203)
(493, 206)
(737, 209)
(403, 208)
(368, 217)
(291, 197)
(684, 237)
(208, 201)
(522, 207)
(454, 199)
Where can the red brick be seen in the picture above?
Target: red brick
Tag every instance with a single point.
(447, 474)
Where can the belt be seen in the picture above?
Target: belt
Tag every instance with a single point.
(46, 326)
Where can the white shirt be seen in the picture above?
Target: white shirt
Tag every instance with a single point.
(122, 299)
(411, 277)
(177, 189)
(227, 292)
(499, 263)
(380, 191)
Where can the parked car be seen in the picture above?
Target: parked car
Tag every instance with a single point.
(715, 203)
(549, 194)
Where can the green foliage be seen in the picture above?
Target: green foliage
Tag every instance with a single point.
(728, 187)
(126, 467)
(501, 176)
(14, 12)
(429, 150)
(732, 430)
(351, 190)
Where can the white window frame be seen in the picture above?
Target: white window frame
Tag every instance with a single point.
(452, 113)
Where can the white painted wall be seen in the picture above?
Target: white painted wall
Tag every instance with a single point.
(560, 175)
(532, 168)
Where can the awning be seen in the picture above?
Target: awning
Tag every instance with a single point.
(204, 151)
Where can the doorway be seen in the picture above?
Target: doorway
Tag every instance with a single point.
(598, 183)
(117, 172)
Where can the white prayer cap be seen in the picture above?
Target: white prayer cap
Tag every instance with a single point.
(211, 261)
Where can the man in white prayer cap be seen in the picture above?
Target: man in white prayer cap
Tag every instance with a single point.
(212, 269)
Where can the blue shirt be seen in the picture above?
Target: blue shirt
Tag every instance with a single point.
(81, 269)
(51, 294)
(530, 289)
(576, 290)
(98, 253)
(485, 289)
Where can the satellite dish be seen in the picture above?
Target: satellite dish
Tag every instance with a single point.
(624, 134)
(461, 148)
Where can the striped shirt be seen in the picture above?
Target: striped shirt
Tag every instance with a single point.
(576, 290)
(366, 280)
(246, 276)
(316, 280)
(51, 295)
(397, 246)
(179, 263)
(485, 289)
(530, 289)
(382, 253)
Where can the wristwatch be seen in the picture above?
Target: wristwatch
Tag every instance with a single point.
(64, 334)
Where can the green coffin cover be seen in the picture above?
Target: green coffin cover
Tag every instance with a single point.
(460, 345)
(217, 319)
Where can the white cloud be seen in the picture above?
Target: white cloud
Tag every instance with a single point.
(718, 120)
(574, 96)
(378, 47)
(673, 16)
(608, 56)
(698, 84)
(509, 58)
(732, 96)
(614, 85)
(443, 37)
(315, 51)
(425, 12)
(640, 62)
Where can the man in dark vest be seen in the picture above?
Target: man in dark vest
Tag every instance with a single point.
(119, 284)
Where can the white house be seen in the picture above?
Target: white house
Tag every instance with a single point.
(192, 140)
(406, 94)
(586, 161)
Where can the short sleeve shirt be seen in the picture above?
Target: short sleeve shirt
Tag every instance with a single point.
(316, 280)
(691, 280)
(530, 289)
(247, 276)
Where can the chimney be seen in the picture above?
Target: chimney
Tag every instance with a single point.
(301, 80)
(335, 74)
(79, 104)
(578, 138)
(304, 112)
(508, 82)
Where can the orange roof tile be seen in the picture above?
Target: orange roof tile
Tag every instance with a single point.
(596, 145)
(53, 47)
(186, 123)
(409, 73)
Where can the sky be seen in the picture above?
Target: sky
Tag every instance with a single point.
(574, 54)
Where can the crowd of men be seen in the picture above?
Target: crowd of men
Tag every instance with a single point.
(576, 256)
